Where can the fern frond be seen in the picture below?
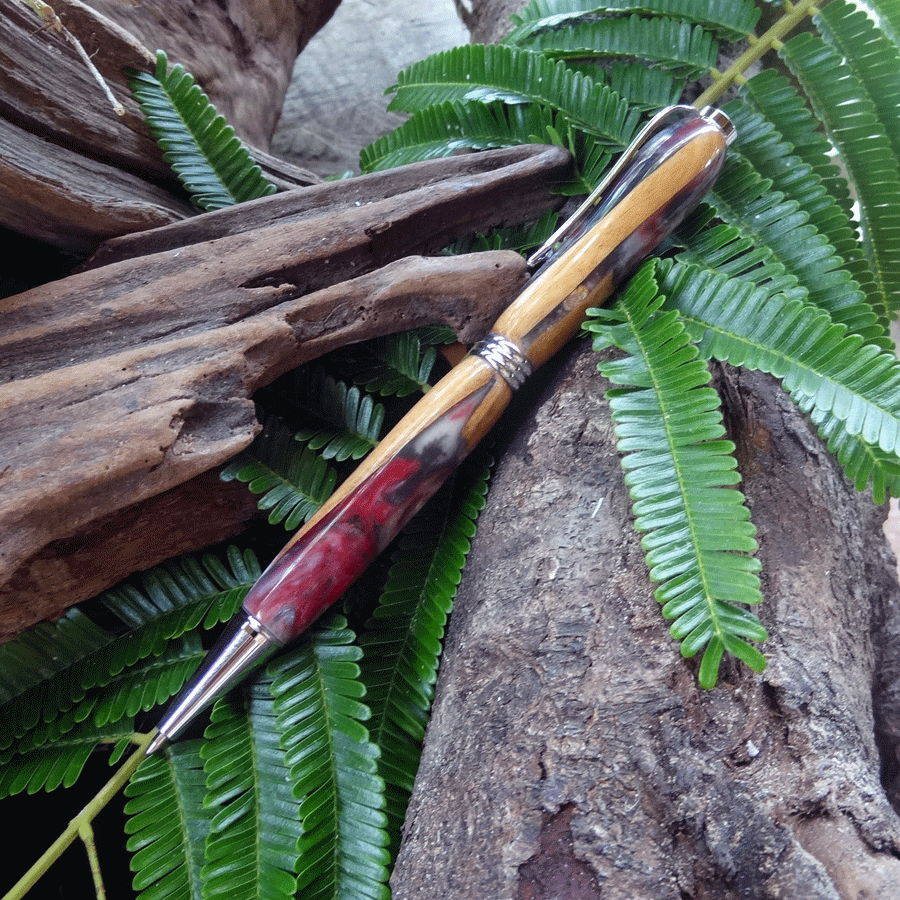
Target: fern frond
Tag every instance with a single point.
(681, 474)
(763, 146)
(35, 658)
(293, 481)
(819, 363)
(58, 764)
(726, 249)
(168, 824)
(863, 463)
(888, 17)
(342, 422)
(251, 851)
(178, 596)
(840, 103)
(684, 49)
(645, 88)
(397, 365)
(200, 146)
(522, 239)
(333, 765)
(175, 598)
(402, 643)
(488, 73)
(447, 128)
(732, 20)
(873, 58)
(745, 200)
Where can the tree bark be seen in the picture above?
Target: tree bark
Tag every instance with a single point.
(572, 754)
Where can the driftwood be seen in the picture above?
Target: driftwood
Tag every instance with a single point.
(72, 171)
(135, 376)
(571, 753)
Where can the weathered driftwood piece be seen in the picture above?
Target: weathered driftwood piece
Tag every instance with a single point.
(571, 753)
(72, 172)
(126, 380)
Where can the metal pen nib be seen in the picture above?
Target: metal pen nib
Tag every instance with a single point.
(244, 645)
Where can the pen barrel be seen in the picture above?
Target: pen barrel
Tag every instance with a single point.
(661, 183)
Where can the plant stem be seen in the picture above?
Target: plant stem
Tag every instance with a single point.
(80, 824)
(757, 49)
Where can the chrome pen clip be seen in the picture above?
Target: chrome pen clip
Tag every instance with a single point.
(572, 226)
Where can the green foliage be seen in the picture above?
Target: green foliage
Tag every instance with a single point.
(200, 146)
(402, 643)
(681, 476)
(345, 423)
(167, 824)
(300, 783)
(294, 481)
(333, 767)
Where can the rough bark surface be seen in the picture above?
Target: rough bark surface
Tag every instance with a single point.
(571, 753)
(72, 171)
(122, 382)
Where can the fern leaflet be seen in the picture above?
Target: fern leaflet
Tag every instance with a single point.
(199, 145)
(681, 475)
(293, 481)
(168, 824)
(732, 20)
(333, 765)
(251, 850)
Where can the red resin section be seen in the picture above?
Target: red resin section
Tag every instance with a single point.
(310, 575)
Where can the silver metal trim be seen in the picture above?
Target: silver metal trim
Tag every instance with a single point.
(244, 644)
(722, 120)
(663, 118)
(505, 358)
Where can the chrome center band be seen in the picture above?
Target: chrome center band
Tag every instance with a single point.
(505, 358)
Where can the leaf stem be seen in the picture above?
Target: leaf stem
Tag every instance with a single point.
(80, 824)
(759, 46)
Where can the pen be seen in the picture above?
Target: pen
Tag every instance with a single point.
(656, 182)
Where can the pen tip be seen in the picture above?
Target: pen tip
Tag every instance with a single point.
(154, 745)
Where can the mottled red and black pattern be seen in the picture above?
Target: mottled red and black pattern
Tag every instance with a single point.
(311, 574)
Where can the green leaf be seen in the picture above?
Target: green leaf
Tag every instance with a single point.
(58, 764)
(681, 475)
(747, 202)
(682, 48)
(402, 642)
(872, 56)
(822, 365)
(485, 73)
(840, 102)
(251, 850)
(293, 481)
(57, 671)
(732, 19)
(342, 422)
(168, 824)
(772, 156)
(447, 128)
(333, 766)
(203, 150)
(397, 365)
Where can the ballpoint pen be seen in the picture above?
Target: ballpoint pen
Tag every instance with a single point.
(656, 182)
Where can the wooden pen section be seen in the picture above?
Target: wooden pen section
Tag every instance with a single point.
(661, 186)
